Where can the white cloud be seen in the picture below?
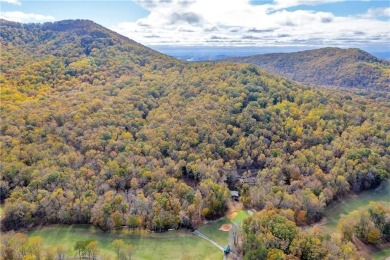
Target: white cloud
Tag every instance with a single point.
(292, 3)
(377, 13)
(241, 23)
(17, 16)
(14, 2)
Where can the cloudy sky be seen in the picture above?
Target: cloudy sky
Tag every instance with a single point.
(261, 23)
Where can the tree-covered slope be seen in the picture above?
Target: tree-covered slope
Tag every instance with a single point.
(99, 129)
(350, 68)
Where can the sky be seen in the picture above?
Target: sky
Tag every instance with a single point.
(229, 23)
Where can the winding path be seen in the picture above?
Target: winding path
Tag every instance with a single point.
(197, 233)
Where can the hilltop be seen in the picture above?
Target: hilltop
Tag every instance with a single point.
(349, 68)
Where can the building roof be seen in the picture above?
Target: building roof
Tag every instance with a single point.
(234, 193)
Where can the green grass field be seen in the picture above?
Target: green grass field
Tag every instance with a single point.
(177, 244)
(243, 214)
(211, 229)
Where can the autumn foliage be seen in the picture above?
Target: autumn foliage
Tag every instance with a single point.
(99, 129)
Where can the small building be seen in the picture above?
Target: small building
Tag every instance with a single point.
(248, 180)
(234, 194)
(226, 250)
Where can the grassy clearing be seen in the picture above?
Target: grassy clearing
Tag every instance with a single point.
(243, 214)
(211, 229)
(177, 244)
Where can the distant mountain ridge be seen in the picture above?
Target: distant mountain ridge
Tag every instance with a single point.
(350, 68)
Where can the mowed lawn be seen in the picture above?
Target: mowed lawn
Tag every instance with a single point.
(177, 244)
(211, 229)
(243, 214)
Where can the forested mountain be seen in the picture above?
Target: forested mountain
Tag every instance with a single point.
(350, 68)
(98, 129)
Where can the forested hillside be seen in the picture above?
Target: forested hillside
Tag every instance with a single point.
(350, 68)
(99, 129)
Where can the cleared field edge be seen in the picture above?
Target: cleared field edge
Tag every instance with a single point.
(177, 244)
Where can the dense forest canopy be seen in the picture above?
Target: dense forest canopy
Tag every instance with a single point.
(349, 68)
(99, 129)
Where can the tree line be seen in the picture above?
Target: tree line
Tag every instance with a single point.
(17, 246)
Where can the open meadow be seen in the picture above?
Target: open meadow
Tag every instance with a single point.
(176, 244)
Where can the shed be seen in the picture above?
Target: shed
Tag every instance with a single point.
(234, 194)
